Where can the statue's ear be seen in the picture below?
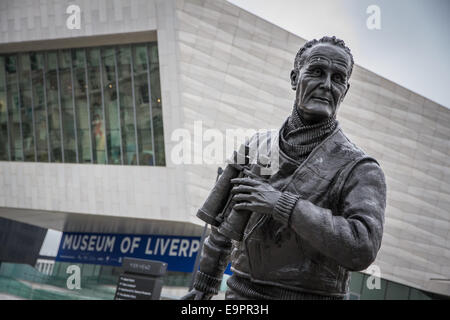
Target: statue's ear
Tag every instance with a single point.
(345, 93)
(294, 79)
(346, 90)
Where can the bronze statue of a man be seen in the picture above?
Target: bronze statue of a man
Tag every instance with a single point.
(320, 215)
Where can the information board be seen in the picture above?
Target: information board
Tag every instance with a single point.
(140, 280)
(178, 252)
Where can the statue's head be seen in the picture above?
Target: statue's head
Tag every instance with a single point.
(322, 69)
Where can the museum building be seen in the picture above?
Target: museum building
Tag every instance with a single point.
(89, 121)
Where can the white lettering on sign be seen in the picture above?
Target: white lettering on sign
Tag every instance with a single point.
(147, 248)
(174, 247)
(125, 245)
(92, 243)
(67, 243)
(88, 242)
(194, 247)
(183, 247)
(84, 242)
(135, 244)
(164, 245)
(109, 243)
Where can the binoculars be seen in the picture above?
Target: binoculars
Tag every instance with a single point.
(218, 208)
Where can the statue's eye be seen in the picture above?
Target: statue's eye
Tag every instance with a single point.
(338, 77)
(316, 72)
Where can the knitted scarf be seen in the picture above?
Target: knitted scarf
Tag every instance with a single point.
(297, 139)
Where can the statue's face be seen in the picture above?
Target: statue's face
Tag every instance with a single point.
(322, 82)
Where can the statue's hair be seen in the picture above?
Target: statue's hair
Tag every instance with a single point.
(300, 57)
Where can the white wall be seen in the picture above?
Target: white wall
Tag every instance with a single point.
(139, 192)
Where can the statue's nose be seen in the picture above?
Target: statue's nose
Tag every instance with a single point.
(326, 83)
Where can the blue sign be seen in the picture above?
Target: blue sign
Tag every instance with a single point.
(109, 249)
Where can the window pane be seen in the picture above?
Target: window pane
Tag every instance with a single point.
(96, 107)
(4, 144)
(68, 124)
(156, 104)
(126, 105)
(40, 113)
(418, 295)
(356, 282)
(111, 106)
(26, 106)
(87, 105)
(396, 291)
(54, 117)
(15, 129)
(144, 123)
(81, 107)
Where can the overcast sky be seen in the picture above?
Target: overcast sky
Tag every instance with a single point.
(412, 48)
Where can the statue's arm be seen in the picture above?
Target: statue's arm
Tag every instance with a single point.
(351, 237)
(214, 260)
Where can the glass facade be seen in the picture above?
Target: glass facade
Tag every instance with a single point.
(48, 281)
(389, 290)
(82, 105)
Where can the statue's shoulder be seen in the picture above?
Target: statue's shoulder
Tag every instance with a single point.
(340, 143)
(354, 154)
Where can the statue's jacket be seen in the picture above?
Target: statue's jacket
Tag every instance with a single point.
(334, 227)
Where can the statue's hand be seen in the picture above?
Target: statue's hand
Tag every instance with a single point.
(196, 295)
(253, 195)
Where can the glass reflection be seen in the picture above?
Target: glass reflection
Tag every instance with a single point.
(157, 115)
(14, 115)
(67, 108)
(111, 106)
(144, 122)
(26, 107)
(40, 112)
(127, 115)
(94, 105)
(4, 143)
(81, 106)
(54, 116)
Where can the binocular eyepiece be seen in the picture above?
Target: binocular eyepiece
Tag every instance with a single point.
(218, 207)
